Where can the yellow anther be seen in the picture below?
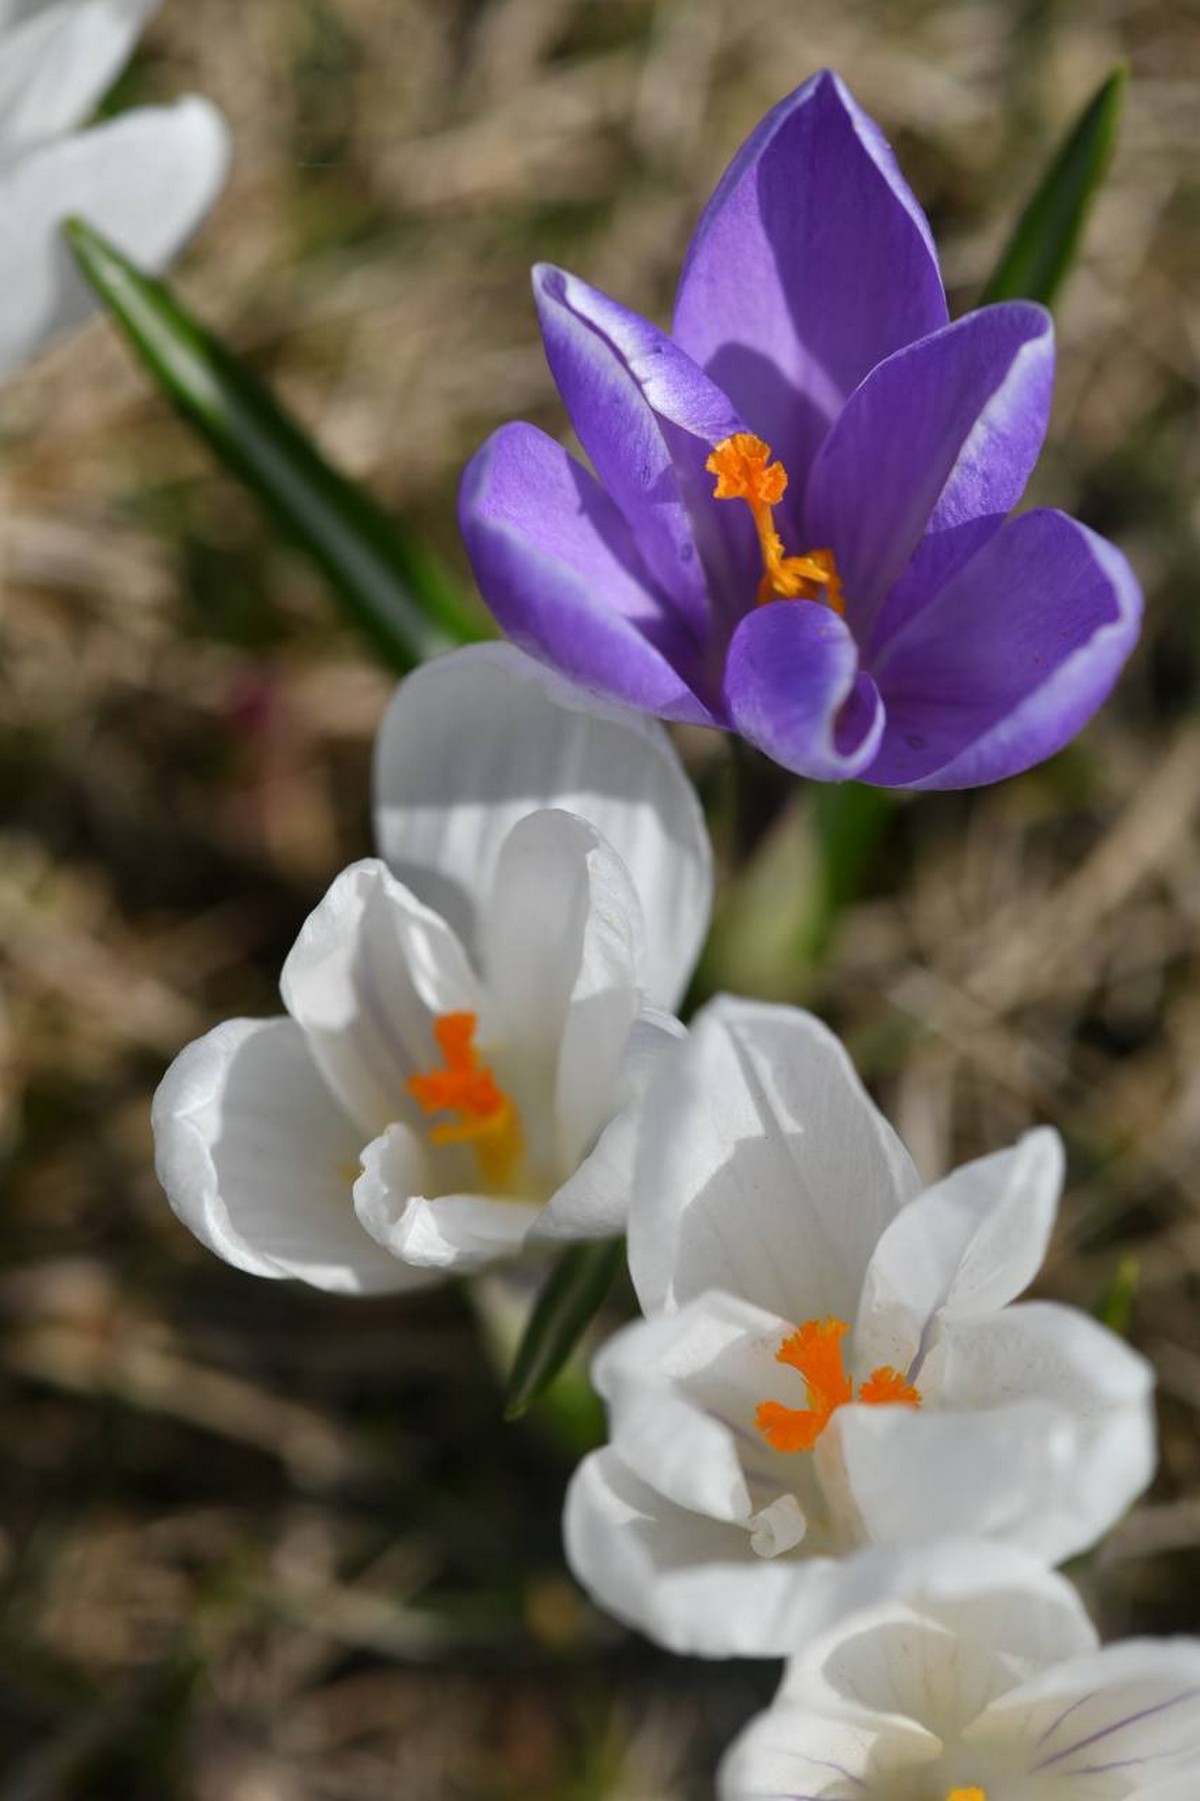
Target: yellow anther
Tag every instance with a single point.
(815, 1350)
(487, 1118)
(966, 1794)
(745, 470)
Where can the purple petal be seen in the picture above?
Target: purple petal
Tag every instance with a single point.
(929, 455)
(793, 687)
(648, 417)
(812, 262)
(558, 567)
(1010, 660)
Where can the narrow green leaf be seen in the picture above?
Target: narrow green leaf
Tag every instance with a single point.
(1047, 235)
(567, 1305)
(387, 583)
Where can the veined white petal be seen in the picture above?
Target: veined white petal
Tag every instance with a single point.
(560, 941)
(476, 739)
(449, 1233)
(257, 1159)
(58, 62)
(594, 1201)
(145, 179)
(902, 1680)
(1132, 1708)
(370, 972)
(968, 1245)
(764, 1168)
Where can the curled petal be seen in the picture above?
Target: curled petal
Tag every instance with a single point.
(443, 1232)
(794, 688)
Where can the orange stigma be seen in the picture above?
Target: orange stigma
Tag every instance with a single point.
(744, 470)
(815, 1349)
(487, 1118)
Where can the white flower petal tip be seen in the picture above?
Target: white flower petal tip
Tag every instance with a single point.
(483, 736)
(145, 179)
(832, 1363)
(258, 1161)
(972, 1671)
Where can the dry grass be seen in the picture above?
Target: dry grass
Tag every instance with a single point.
(258, 1546)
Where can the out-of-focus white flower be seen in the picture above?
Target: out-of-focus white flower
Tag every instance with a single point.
(975, 1677)
(145, 178)
(831, 1360)
(477, 1011)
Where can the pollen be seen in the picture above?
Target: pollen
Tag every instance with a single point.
(745, 470)
(966, 1794)
(465, 1087)
(815, 1351)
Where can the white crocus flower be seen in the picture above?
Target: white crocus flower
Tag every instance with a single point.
(975, 1677)
(831, 1360)
(468, 1021)
(145, 178)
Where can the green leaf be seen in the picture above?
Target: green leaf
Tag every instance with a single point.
(387, 582)
(566, 1307)
(1044, 243)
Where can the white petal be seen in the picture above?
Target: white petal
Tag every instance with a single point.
(687, 1581)
(58, 63)
(561, 942)
(145, 179)
(257, 1160)
(475, 740)
(969, 1245)
(764, 1169)
(1132, 1708)
(1100, 1391)
(448, 1232)
(369, 973)
(594, 1201)
(913, 1477)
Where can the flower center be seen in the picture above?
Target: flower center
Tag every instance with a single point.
(744, 471)
(815, 1349)
(485, 1116)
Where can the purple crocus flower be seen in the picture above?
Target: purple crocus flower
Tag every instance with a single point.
(798, 524)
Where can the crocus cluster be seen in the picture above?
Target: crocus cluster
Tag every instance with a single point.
(838, 1433)
(145, 178)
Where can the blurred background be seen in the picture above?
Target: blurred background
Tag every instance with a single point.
(257, 1545)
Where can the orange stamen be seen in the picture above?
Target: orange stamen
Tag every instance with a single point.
(966, 1794)
(744, 470)
(815, 1349)
(487, 1118)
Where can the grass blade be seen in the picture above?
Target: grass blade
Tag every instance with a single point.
(566, 1307)
(386, 582)
(1043, 246)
